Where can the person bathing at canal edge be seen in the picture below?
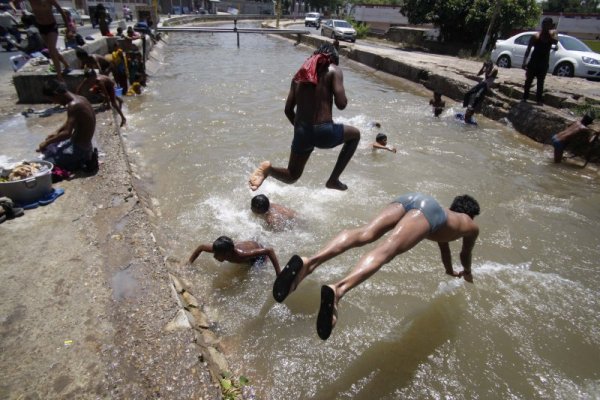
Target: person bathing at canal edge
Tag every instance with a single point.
(380, 143)
(410, 218)
(106, 87)
(276, 216)
(474, 97)
(315, 87)
(70, 147)
(248, 252)
(562, 139)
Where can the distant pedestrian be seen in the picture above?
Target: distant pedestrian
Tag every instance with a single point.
(537, 67)
(102, 18)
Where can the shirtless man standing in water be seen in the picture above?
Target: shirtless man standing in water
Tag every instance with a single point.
(315, 87)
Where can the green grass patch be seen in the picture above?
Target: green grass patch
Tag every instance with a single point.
(593, 44)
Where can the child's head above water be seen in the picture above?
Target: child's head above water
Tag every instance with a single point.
(260, 204)
(381, 138)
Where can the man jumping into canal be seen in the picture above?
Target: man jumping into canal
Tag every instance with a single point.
(411, 218)
(314, 88)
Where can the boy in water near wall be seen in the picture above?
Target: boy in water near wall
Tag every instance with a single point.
(437, 103)
(564, 137)
(248, 252)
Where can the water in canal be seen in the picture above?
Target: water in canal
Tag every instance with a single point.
(529, 327)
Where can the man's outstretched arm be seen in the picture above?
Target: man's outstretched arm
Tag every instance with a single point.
(203, 247)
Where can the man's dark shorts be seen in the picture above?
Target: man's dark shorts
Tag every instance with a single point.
(558, 145)
(322, 136)
(46, 29)
(67, 155)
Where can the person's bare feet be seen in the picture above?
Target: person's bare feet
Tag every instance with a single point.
(259, 175)
(337, 185)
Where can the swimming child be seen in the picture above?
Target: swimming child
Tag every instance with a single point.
(381, 143)
(276, 216)
(437, 103)
(248, 252)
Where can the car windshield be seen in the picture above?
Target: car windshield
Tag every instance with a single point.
(341, 24)
(570, 43)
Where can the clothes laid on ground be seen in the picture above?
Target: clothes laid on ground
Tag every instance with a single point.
(8, 210)
(67, 155)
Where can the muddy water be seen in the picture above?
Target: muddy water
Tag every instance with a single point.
(528, 328)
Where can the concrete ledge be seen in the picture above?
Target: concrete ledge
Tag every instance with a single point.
(29, 80)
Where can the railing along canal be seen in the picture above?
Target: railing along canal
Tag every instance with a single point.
(235, 29)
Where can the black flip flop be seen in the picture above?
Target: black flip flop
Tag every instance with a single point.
(325, 318)
(283, 282)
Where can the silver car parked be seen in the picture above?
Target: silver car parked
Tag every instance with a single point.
(338, 29)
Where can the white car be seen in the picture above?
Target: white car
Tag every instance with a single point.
(338, 29)
(571, 57)
(312, 19)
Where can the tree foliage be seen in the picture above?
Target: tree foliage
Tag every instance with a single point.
(468, 20)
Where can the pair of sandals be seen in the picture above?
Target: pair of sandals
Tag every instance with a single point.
(283, 285)
(8, 210)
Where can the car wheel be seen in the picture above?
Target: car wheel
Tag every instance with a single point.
(564, 69)
(503, 61)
